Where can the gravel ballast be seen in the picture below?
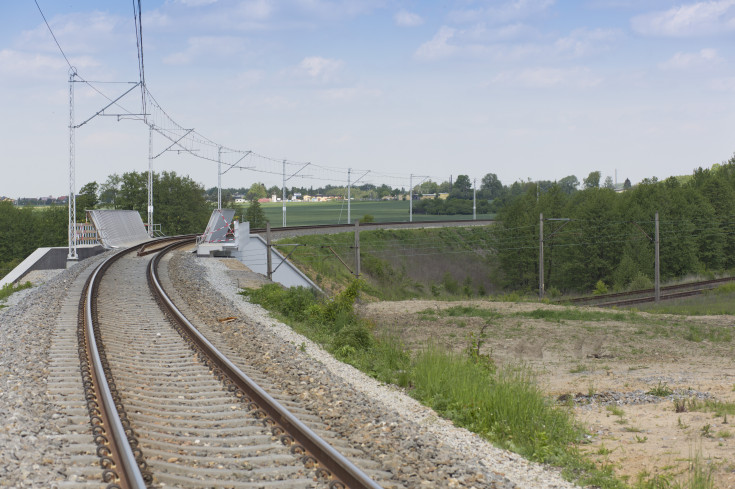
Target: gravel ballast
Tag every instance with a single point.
(33, 446)
(411, 440)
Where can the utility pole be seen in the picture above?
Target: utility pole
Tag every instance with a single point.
(349, 171)
(150, 181)
(474, 200)
(283, 190)
(657, 291)
(268, 252)
(357, 249)
(72, 203)
(410, 198)
(219, 178)
(541, 257)
(283, 194)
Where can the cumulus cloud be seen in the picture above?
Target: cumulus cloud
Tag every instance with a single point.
(549, 78)
(16, 63)
(505, 12)
(583, 42)
(438, 46)
(682, 61)
(87, 32)
(321, 69)
(336, 9)
(351, 93)
(404, 18)
(694, 19)
(196, 3)
(207, 46)
(507, 43)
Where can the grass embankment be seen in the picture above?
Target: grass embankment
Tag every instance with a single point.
(720, 300)
(441, 263)
(504, 405)
(10, 289)
(335, 212)
(650, 327)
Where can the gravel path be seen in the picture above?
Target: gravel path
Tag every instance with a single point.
(456, 457)
(33, 446)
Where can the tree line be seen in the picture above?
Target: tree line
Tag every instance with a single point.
(597, 234)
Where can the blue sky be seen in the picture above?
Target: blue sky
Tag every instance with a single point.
(526, 89)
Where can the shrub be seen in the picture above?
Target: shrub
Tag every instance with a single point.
(640, 282)
(450, 284)
(10, 289)
(600, 288)
(553, 292)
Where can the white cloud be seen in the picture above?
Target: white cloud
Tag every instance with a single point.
(196, 3)
(352, 93)
(682, 61)
(506, 12)
(337, 9)
(438, 46)
(256, 10)
(88, 32)
(583, 42)
(549, 77)
(504, 44)
(404, 18)
(207, 46)
(35, 65)
(318, 68)
(695, 19)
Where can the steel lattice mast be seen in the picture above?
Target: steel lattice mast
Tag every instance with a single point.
(150, 180)
(72, 203)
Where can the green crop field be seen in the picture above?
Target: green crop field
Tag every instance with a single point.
(308, 213)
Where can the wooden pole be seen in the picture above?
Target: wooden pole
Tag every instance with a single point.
(357, 249)
(541, 257)
(657, 294)
(269, 246)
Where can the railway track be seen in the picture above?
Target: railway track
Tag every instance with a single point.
(647, 295)
(190, 416)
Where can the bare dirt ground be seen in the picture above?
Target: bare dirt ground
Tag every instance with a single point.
(607, 367)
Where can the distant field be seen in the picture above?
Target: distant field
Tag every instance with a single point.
(308, 213)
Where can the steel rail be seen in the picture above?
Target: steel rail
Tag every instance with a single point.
(123, 456)
(643, 300)
(414, 224)
(696, 286)
(339, 466)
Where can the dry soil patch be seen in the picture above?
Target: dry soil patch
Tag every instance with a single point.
(606, 366)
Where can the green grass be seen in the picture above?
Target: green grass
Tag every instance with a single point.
(576, 314)
(461, 311)
(389, 259)
(9, 289)
(719, 408)
(310, 213)
(719, 301)
(506, 406)
(661, 390)
(553, 315)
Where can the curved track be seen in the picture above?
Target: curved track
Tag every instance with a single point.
(192, 419)
(647, 295)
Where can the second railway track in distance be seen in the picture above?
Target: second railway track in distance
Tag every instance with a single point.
(192, 426)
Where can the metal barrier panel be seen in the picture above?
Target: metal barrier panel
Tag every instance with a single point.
(218, 226)
(117, 228)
